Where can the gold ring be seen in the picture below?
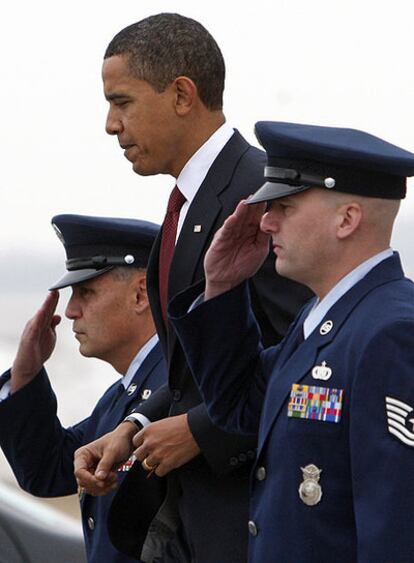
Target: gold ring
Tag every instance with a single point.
(81, 491)
(147, 466)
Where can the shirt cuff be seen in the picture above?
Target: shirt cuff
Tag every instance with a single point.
(196, 303)
(140, 418)
(5, 391)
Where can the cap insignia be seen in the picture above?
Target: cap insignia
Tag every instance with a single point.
(129, 259)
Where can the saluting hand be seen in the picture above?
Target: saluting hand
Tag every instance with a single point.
(237, 251)
(36, 343)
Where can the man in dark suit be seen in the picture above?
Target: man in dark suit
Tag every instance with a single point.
(164, 79)
(333, 402)
(106, 261)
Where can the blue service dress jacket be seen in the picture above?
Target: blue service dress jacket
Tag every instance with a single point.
(333, 478)
(40, 451)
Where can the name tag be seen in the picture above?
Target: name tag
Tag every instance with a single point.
(315, 403)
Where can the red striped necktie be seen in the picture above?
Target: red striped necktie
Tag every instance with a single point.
(169, 233)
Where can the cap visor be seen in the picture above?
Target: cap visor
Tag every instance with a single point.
(78, 276)
(272, 190)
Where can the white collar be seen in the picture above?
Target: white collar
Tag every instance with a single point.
(320, 308)
(138, 360)
(195, 170)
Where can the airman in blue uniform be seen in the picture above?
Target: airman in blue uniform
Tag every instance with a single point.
(106, 268)
(333, 403)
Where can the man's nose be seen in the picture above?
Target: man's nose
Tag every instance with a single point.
(72, 310)
(269, 223)
(112, 125)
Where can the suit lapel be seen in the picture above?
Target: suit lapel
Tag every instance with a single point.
(294, 336)
(139, 380)
(130, 396)
(298, 365)
(153, 292)
(187, 259)
(205, 209)
(186, 266)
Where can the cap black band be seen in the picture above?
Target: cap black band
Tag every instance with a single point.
(98, 262)
(294, 177)
(347, 179)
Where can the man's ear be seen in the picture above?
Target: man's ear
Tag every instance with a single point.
(349, 219)
(141, 295)
(185, 94)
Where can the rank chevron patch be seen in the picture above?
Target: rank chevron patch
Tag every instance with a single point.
(397, 418)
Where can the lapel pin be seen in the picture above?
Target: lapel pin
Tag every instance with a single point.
(146, 393)
(322, 372)
(131, 389)
(197, 229)
(326, 327)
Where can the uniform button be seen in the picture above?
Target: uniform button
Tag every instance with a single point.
(176, 395)
(252, 528)
(91, 523)
(261, 473)
(242, 457)
(234, 461)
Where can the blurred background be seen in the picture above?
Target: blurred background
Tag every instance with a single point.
(344, 63)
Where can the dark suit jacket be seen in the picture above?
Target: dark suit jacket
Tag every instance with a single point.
(213, 488)
(40, 451)
(365, 452)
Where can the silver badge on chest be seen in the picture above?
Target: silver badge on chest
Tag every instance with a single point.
(310, 491)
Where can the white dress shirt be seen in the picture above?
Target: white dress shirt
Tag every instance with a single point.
(192, 175)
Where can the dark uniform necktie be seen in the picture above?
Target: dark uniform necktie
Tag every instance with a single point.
(169, 233)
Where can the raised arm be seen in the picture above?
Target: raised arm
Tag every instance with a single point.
(36, 343)
(237, 251)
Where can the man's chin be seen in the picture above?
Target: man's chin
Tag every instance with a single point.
(85, 352)
(142, 170)
(282, 269)
(144, 167)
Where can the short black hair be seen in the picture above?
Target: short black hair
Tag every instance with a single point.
(164, 46)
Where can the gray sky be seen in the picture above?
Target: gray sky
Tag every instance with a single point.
(333, 62)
